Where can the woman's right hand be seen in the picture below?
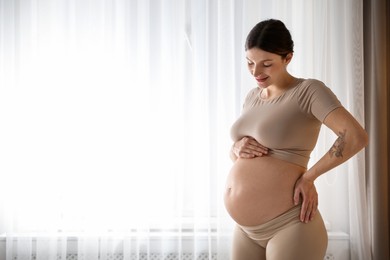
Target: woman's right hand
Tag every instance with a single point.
(248, 148)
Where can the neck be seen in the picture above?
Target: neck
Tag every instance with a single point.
(279, 87)
(284, 83)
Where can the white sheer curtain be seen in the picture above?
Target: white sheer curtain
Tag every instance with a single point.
(115, 116)
(114, 128)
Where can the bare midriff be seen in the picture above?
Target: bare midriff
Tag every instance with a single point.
(260, 189)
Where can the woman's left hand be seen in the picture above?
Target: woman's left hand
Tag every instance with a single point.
(305, 188)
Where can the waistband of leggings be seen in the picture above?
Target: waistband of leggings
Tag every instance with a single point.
(289, 217)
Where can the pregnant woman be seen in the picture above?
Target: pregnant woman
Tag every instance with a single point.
(270, 192)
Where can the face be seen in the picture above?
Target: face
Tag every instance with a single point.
(267, 68)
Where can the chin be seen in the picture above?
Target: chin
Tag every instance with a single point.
(262, 85)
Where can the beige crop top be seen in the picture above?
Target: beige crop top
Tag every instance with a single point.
(289, 124)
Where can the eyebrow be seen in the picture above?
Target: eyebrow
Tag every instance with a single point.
(261, 60)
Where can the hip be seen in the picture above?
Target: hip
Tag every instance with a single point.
(288, 236)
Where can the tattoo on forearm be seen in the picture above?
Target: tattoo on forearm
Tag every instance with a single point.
(338, 146)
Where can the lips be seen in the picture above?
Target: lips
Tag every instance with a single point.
(261, 80)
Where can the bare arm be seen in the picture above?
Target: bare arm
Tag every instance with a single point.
(351, 139)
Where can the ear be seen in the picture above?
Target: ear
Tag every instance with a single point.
(288, 58)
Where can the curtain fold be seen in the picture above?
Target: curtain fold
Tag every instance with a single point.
(115, 118)
(377, 85)
(114, 128)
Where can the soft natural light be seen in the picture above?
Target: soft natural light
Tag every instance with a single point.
(95, 136)
(115, 119)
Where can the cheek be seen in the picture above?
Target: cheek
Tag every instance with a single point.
(274, 70)
(269, 71)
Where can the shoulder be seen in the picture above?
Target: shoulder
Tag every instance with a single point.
(316, 98)
(313, 88)
(252, 94)
(311, 85)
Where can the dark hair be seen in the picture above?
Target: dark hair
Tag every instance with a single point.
(271, 36)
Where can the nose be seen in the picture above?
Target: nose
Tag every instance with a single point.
(256, 70)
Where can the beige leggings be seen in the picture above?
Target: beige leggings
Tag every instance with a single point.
(282, 238)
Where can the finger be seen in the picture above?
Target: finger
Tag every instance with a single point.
(253, 142)
(252, 152)
(308, 214)
(248, 151)
(311, 211)
(262, 150)
(296, 197)
(258, 152)
(246, 155)
(303, 212)
(255, 148)
(306, 209)
(302, 216)
(312, 215)
(247, 140)
(314, 211)
(257, 145)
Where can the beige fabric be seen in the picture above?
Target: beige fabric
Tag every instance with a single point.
(289, 124)
(283, 237)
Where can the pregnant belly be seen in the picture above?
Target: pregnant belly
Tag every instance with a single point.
(259, 189)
